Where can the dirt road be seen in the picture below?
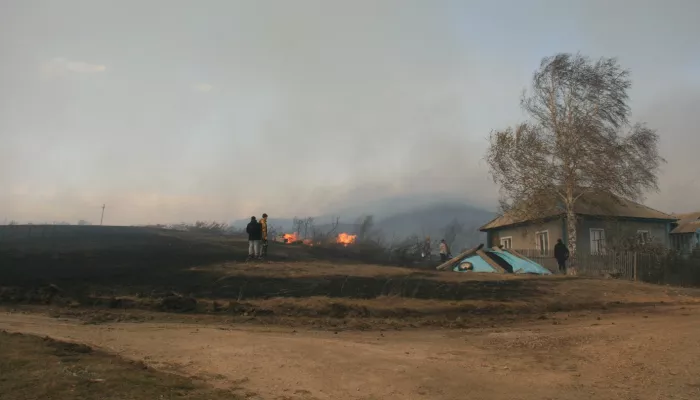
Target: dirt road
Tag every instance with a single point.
(644, 355)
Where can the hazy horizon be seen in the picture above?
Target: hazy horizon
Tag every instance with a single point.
(172, 111)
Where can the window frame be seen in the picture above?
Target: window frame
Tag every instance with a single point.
(545, 251)
(640, 236)
(602, 249)
(509, 239)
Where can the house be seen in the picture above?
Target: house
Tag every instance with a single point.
(685, 236)
(604, 221)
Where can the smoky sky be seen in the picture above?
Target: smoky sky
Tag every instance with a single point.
(173, 111)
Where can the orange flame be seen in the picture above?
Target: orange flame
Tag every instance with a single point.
(345, 239)
(290, 237)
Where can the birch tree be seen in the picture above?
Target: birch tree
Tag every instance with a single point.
(578, 139)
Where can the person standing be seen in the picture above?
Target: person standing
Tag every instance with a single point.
(263, 224)
(444, 250)
(254, 230)
(561, 253)
(426, 253)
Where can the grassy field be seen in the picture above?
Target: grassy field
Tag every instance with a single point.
(316, 323)
(107, 273)
(32, 368)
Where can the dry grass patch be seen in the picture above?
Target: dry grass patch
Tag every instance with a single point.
(33, 368)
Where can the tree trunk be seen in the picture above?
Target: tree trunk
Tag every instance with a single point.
(571, 234)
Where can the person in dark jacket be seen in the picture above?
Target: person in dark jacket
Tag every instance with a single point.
(561, 253)
(254, 230)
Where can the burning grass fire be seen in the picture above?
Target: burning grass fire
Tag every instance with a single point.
(290, 237)
(293, 238)
(345, 239)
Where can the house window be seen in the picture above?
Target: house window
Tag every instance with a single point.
(597, 241)
(643, 237)
(542, 242)
(507, 242)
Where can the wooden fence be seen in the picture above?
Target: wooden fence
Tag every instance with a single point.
(662, 268)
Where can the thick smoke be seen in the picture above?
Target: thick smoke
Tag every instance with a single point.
(225, 109)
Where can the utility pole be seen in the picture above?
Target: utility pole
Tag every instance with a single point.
(103, 214)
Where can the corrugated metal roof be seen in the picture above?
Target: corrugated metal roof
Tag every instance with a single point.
(508, 220)
(593, 204)
(687, 223)
(687, 216)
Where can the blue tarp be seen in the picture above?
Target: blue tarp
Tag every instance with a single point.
(518, 265)
(523, 266)
(478, 263)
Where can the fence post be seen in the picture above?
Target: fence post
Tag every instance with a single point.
(635, 265)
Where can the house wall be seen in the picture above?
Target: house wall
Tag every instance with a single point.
(524, 238)
(686, 242)
(618, 230)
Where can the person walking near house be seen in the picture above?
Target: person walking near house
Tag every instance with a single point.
(561, 253)
(254, 231)
(426, 251)
(263, 224)
(444, 250)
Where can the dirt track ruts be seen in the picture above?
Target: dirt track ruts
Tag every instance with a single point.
(645, 355)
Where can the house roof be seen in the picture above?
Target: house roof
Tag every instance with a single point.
(593, 204)
(687, 223)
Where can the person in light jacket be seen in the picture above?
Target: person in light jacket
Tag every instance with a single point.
(444, 251)
(263, 224)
